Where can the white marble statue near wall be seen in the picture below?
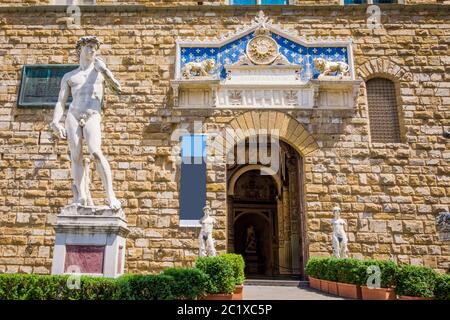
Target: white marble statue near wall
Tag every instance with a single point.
(86, 84)
(205, 237)
(339, 238)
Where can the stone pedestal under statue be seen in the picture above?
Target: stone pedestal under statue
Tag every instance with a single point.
(90, 240)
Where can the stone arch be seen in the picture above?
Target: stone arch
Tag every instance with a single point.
(384, 68)
(234, 178)
(288, 129)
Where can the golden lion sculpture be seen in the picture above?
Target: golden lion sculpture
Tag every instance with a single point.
(196, 69)
(327, 67)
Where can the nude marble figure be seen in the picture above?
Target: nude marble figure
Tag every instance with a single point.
(86, 84)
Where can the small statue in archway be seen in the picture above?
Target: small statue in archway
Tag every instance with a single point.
(205, 238)
(250, 243)
(339, 238)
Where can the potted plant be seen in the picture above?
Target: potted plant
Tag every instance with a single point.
(221, 281)
(348, 276)
(238, 264)
(416, 283)
(322, 270)
(442, 288)
(388, 277)
(312, 271)
(330, 274)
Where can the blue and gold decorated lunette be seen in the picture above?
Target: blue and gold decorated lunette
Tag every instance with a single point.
(293, 51)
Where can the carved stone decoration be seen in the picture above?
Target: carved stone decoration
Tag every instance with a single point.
(291, 98)
(262, 50)
(339, 237)
(86, 84)
(235, 97)
(326, 67)
(198, 69)
(88, 238)
(205, 238)
(443, 225)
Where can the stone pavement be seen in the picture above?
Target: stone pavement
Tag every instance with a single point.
(252, 292)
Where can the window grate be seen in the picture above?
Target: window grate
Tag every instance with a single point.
(383, 112)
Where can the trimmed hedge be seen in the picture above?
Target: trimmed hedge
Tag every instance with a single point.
(38, 287)
(389, 272)
(44, 287)
(220, 274)
(416, 281)
(190, 283)
(213, 275)
(348, 270)
(442, 288)
(238, 265)
(148, 287)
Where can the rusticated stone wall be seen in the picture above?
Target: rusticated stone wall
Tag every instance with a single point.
(191, 3)
(389, 193)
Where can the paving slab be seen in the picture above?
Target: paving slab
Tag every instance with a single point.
(252, 292)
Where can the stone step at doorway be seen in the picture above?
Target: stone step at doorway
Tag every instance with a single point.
(277, 282)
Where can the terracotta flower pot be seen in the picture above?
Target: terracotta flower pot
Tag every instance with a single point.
(314, 283)
(324, 285)
(377, 293)
(238, 291)
(348, 290)
(413, 298)
(333, 288)
(219, 296)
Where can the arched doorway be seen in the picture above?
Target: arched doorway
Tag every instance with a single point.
(266, 221)
(255, 225)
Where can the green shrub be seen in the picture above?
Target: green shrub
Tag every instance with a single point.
(146, 287)
(43, 287)
(329, 269)
(312, 267)
(189, 283)
(389, 272)
(348, 270)
(40, 287)
(442, 288)
(322, 268)
(238, 264)
(220, 274)
(416, 281)
(97, 288)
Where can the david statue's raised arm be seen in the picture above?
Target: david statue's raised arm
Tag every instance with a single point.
(111, 81)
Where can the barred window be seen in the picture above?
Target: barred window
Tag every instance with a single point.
(383, 111)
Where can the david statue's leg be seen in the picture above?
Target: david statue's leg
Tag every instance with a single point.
(202, 250)
(74, 139)
(211, 249)
(335, 243)
(93, 136)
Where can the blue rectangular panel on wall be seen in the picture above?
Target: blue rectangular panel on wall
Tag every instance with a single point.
(355, 1)
(40, 84)
(384, 1)
(193, 177)
(243, 2)
(274, 1)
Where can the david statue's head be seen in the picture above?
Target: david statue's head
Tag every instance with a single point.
(207, 210)
(87, 48)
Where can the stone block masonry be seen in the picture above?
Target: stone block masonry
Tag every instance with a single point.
(389, 193)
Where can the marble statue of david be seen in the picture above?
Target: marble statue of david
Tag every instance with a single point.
(86, 84)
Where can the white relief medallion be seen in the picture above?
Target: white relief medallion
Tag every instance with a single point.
(262, 50)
